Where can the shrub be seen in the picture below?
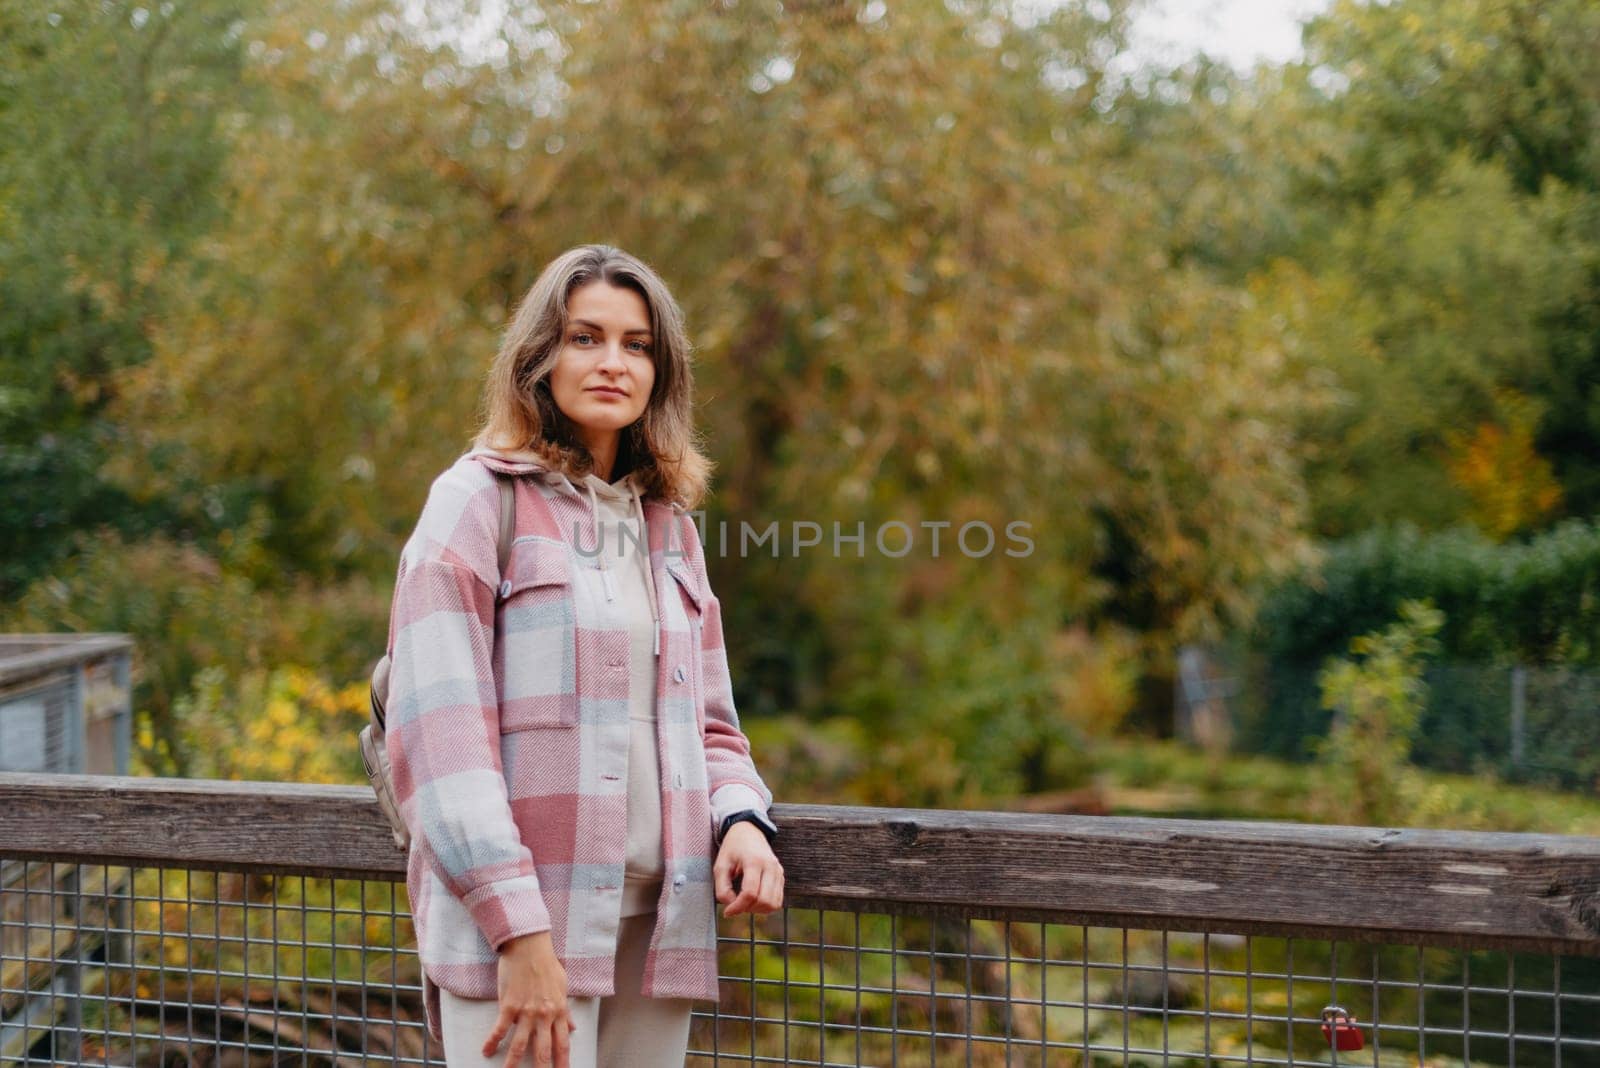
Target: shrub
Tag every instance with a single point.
(1379, 699)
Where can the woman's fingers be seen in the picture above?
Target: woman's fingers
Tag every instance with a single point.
(519, 1041)
(722, 875)
(542, 1052)
(770, 895)
(772, 892)
(562, 1043)
(502, 1024)
(534, 1004)
(749, 890)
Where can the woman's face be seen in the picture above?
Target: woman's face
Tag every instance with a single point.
(605, 367)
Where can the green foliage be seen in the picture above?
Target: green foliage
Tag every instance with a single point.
(184, 612)
(1379, 700)
(1419, 79)
(940, 264)
(197, 623)
(1165, 777)
(1426, 307)
(1039, 360)
(282, 725)
(109, 158)
(1534, 602)
(1414, 208)
(1449, 181)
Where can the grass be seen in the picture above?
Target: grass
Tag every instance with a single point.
(1162, 777)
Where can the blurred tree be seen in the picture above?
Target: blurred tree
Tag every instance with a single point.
(927, 278)
(1451, 179)
(945, 261)
(1511, 485)
(1411, 83)
(109, 156)
(1428, 311)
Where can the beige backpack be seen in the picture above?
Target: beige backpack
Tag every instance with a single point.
(374, 755)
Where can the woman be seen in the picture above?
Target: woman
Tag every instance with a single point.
(562, 733)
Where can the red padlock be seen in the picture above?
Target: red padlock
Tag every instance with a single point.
(1340, 1029)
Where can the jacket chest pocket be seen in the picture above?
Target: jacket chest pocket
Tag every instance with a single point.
(536, 646)
(692, 606)
(688, 592)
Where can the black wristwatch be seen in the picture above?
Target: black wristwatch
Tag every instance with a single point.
(767, 827)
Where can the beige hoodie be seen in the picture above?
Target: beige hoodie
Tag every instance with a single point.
(617, 592)
(623, 591)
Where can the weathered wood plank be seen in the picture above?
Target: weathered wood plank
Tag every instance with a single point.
(289, 828)
(1530, 891)
(27, 656)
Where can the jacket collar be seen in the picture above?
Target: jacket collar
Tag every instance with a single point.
(524, 462)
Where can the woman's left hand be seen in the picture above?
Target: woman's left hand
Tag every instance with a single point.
(746, 854)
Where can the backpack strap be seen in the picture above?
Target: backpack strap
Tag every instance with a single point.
(508, 523)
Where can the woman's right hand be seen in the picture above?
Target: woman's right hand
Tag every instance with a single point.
(533, 1003)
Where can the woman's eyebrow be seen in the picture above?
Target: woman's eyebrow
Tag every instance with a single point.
(597, 326)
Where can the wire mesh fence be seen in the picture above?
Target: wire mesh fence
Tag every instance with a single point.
(120, 965)
(108, 964)
(1524, 723)
(886, 989)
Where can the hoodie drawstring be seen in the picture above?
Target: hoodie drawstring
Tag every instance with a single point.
(642, 552)
(594, 526)
(644, 555)
(535, 464)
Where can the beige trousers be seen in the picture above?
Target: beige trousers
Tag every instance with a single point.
(625, 1030)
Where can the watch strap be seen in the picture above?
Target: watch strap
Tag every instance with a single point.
(766, 826)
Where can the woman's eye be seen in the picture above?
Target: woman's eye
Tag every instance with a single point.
(643, 346)
(580, 337)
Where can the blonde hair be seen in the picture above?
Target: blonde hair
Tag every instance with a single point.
(520, 414)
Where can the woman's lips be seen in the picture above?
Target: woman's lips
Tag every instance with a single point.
(604, 392)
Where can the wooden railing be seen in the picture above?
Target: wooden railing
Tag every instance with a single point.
(1204, 882)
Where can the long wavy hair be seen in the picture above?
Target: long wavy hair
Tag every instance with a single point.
(519, 414)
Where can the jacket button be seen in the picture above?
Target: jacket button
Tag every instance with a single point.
(677, 882)
(679, 674)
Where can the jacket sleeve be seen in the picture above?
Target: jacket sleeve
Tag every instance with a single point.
(444, 718)
(734, 782)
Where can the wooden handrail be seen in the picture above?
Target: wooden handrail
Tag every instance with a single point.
(1536, 892)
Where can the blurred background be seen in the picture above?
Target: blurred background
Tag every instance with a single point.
(1279, 323)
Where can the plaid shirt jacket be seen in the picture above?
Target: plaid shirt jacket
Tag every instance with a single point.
(508, 739)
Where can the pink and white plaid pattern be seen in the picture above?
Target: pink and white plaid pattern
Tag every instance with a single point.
(508, 735)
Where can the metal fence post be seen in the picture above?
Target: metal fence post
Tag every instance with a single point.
(1519, 712)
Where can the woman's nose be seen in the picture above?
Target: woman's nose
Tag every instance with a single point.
(612, 359)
